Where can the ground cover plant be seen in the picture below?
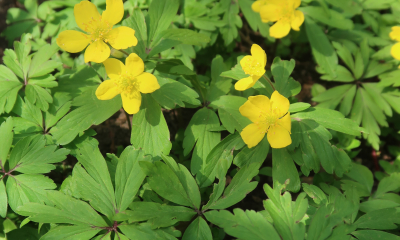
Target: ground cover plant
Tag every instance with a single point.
(200, 119)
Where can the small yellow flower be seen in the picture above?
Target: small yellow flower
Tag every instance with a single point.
(254, 65)
(269, 117)
(283, 12)
(395, 35)
(129, 80)
(100, 31)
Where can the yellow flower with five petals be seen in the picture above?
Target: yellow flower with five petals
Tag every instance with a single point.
(129, 80)
(283, 12)
(254, 65)
(269, 116)
(99, 29)
(395, 35)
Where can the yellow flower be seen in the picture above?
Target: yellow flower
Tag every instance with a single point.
(100, 31)
(395, 35)
(253, 65)
(269, 117)
(128, 80)
(283, 12)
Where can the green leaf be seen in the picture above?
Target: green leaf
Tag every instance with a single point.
(65, 210)
(281, 71)
(376, 204)
(239, 187)
(138, 23)
(89, 111)
(361, 174)
(374, 235)
(98, 188)
(171, 185)
(228, 111)
(38, 95)
(8, 92)
(314, 192)
(7, 135)
(31, 155)
(330, 119)
(254, 20)
(219, 160)
(173, 93)
(70, 233)
(388, 184)
(161, 14)
(198, 230)
(383, 219)
(283, 168)
(149, 128)
(298, 107)
(219, 85)
(322, 49)
(40, 65)
(128, 177)
(22, 50)
(236, 72)
(158, 215)
(243, 225)
(28, 188)
(248, 156)
(232, 21)
(345, 54)
(197, 135)
(144, 232)
(58, 109)
(218, 189)
(332, 18)
(3, 200)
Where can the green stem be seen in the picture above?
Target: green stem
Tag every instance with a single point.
(270, 82)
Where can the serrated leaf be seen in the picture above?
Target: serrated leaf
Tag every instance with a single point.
(138, 23)
(65, 210)
(89, 111)
(219, 85)
(144, 232)
(28, 188)
(173, 93)
(383, 219)
(158, 215)
(219, 160)
(239, 187)
(149, 128)
(244, 224)
(198, 230)
(161, 178)
(281, 71)
(40, 64)
(3, 200)
(70, 233)
(298, 107)
(361, 174)
(7, 135)
(197, 135)
(39, 96)
(128, 177)
(228, 110)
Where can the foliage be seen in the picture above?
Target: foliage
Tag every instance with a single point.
(194, 155)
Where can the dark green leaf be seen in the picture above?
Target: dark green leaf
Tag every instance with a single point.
(71, 232)
(374, 235)
(198, 230)
(248, 156)
(281, 71)
(283, 168)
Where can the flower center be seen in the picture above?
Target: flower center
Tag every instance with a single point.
(252, 67)
(98, 29)
(127, 84)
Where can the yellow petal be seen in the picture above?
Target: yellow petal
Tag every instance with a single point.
(253, 134)
(97, 52)
(147, 83)
(86, 15)
(286, 122)
(280, 29)
(395, 51)
(72, 41)
(297, 20)
(107, 90)
(259, 54)
(246, 83)
(296, 3)
(395, 33)
(278, 137)
(254, 106)
(114, 67)
(134, 64)
(122, 37)
(271, 12)
(279, 104)
(114, 11)
(131, 103)
(256, 6)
